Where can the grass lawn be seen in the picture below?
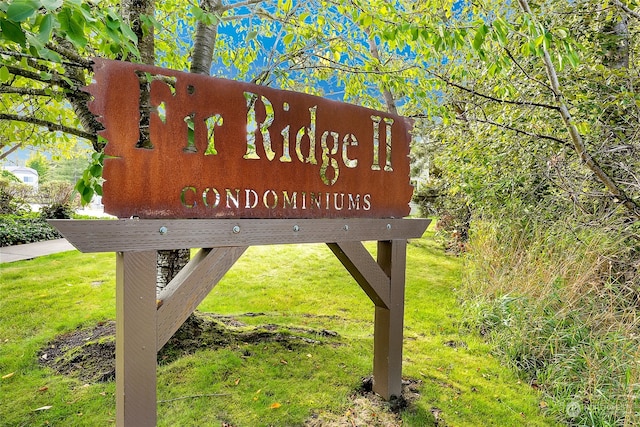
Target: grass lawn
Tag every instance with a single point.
(261, 383)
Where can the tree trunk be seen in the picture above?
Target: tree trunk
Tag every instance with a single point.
(205, 41)
(169, 262)
(133, 11)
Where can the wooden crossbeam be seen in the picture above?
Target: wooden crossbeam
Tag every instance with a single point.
(154, 234)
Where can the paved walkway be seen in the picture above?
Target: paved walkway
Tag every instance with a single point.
(33, 250)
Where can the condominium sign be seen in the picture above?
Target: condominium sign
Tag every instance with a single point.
(183, 145)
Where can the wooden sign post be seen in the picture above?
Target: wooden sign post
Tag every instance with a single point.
(222, 166)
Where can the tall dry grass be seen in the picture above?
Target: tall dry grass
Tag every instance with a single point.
(562, 307)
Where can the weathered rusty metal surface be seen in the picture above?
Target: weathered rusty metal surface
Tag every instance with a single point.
(224, 149)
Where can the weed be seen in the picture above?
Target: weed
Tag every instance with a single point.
(555, 309)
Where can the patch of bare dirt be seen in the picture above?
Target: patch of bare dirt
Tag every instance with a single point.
(89, 355)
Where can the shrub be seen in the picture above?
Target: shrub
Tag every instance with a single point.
(57, 200)
(57, 211)
(55, 193)
(16, 230)
(13, 196)
(557, 306)
(451, 209)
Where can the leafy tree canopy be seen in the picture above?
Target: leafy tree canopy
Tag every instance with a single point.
(528, 98)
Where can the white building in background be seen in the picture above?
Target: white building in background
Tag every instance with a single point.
(27, 175)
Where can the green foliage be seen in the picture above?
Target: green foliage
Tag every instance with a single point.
(57, 211)
(55, 193)
(45, 49)
(40, 164)
(16, 230)
(69, 169)
(6, 177)
(560, 311)
(91, 182)
(31, 24)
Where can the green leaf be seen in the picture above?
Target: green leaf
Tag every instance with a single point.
(112, 23)
(87, 195)
(501, 29)
(12, 32)
(80, 186)
(128, 32)
(415, 33)
(72, 23)
(196, 12)
(21, 10)
(479, 37)
(51, 5)
(45, 76)
(367, 20)
(390, 34)
(288, 38)
(5, 75)
(46, 29)
(96, 171)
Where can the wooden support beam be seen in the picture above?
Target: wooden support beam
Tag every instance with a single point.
(389, 322)
(190, 286)
(136, 355)
(156, 234)
(364, 269)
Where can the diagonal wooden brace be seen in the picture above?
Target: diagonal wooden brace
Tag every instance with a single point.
(190, 286)
(364, 269)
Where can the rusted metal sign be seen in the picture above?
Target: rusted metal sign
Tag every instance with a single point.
(215, 148)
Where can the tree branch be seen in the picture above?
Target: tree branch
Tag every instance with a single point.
(24, 55)
(344, 68)
(504, 126)
(24, 90)
(79, 98)
(626, 9)
(513, 59)
(71, 55)
(240, 4)
(521, 131)
(35, 76)
(492, 98)
(386, 91)
(5, 154)
(578, 143)
(55, 127)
